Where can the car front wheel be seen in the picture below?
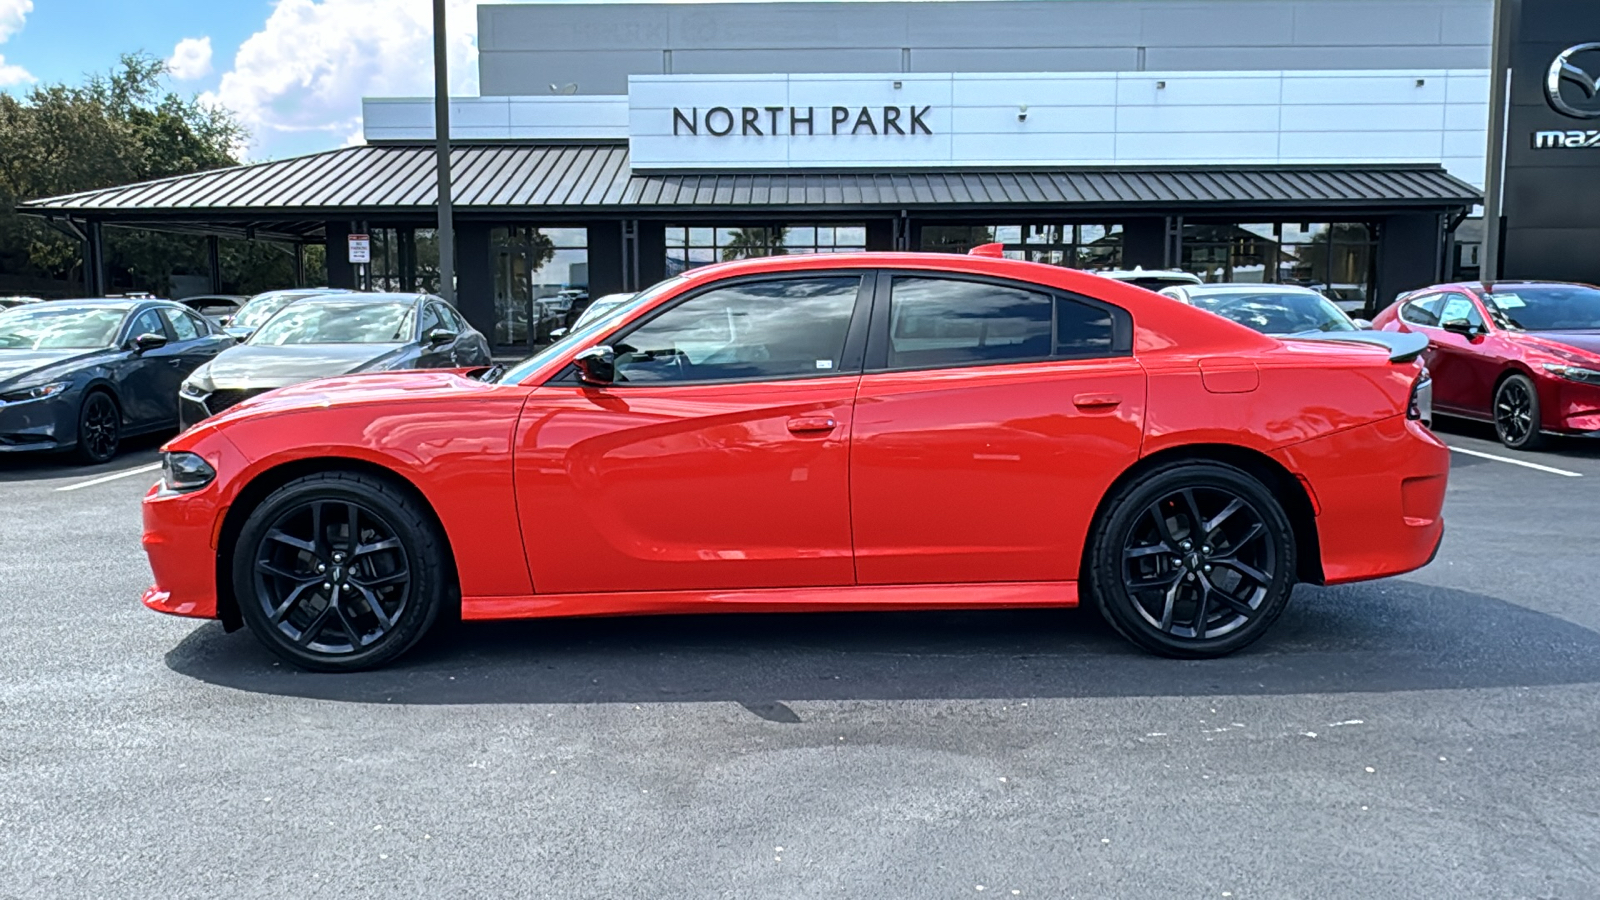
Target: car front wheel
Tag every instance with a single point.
(1516, 414)
(99, 428)
(1192, 560)
(339, 571)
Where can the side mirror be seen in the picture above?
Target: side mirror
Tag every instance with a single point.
(439, 336)
(1460, 326)
(1363, 324)
(558, 332)
(148, 341)
(596, 366)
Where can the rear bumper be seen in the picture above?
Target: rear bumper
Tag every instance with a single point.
(1380, 489)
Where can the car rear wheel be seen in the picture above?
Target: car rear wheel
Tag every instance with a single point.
(1192, 560)
(99, 428)
(1516, 413)
(339, 572)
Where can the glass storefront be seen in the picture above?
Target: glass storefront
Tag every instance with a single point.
(1057, 243)
(541, 282)
(403, 259)
(1336, 258)
(689, 246)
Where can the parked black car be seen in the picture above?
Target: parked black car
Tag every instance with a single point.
(258, 309)
(335, 334)
(83, 374)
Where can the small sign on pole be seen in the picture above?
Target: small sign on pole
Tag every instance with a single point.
(360, 248)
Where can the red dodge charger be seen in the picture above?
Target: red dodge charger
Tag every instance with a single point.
(850, 432)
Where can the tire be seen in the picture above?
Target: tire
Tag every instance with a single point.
(1170, 592)
(1516, 413)
(371, 600)
(99, 428)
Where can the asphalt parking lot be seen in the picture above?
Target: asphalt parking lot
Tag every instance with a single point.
(1425, 736)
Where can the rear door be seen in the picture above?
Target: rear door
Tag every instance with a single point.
(719, 458)
(991, 420)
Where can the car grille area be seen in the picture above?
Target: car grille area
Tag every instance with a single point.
(221, 400)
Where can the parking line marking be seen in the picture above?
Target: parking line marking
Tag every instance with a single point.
(1516, 462)
(112, 477)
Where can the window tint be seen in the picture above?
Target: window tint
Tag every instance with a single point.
(1423, 310)
(183, 327)
(147, 323)
(1081, 329)
(936, 322)
(1459, 307)
(753, 331)
(430, 318)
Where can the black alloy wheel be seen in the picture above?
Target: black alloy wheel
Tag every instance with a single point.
(1516, 413)
(99, 428)
(339, 571)
(1192, 560)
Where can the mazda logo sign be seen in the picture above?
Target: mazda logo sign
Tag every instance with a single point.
(1564, 72)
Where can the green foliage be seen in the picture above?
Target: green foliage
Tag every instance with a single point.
(118, 127)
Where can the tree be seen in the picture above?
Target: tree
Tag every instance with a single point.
(118, 127)
(750, 243)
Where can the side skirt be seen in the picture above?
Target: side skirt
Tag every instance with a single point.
(996, 595)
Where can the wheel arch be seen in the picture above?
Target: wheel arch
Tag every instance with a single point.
(260, 487)
(1277, 479)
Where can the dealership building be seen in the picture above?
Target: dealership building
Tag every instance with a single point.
(1335, 143)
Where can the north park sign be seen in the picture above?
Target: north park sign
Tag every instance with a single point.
(789, 121)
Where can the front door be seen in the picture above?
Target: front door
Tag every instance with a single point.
(719, 458)
(1463, 372)
(1000, 417)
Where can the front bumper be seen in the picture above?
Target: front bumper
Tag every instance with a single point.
(40, 425)
(1570, 407)
(1380, 489)
(181, 533)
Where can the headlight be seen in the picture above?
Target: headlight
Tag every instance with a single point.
(1573, 373)
(37, 392)
(193, 389)
(185, 472)
(1420, 407)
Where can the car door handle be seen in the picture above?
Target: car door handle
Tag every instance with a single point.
(812, 424)
(175, 362)
(1096, 401)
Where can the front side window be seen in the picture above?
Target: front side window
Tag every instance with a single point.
(753, 331)
(938, 322)
(1422, 311)
(182, 326)
(430, 318)
(148, 322)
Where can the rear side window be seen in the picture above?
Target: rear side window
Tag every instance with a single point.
(1423, 310)
(938, 322)
(1082, 329)
(752, 331)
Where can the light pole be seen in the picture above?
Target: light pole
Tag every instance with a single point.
(441, 144)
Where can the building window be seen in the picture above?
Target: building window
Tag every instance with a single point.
(689, 246)
(1076, 246)
(541, 282)
(1336, 258)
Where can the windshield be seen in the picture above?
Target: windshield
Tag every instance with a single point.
(1275, 312)
(582, 331)
(57, 328)
(337, 322)
(1547, 307)
(600, 307)
(262, 306)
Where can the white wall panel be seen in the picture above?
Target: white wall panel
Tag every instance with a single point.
(1363, 117)
(1197, 88)
(1183, 119)
(1223, 146)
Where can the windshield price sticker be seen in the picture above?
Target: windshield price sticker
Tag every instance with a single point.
(1508, 301)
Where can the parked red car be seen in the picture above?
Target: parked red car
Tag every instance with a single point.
(1524, 355)
(863, 431)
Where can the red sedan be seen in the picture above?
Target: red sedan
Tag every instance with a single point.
(851, 432)
(1524, 355)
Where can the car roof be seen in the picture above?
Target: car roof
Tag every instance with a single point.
(1236, 288)
(355, 297)
(123, 303)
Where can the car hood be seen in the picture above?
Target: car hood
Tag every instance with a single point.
(358, 390)
(17, 365)
(1582, 344)
(252, 367)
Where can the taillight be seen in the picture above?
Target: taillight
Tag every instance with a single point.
(1420, 407)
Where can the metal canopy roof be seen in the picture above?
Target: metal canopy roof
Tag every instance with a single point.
(290, 197)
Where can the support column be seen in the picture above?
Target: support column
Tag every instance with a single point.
(341, 273)
(880, 234)
(94, 260)
(475, 276)
(652, 252)
(407, 239)
(1144, 243)
(605, 259)
(299, 265)
(214, 262)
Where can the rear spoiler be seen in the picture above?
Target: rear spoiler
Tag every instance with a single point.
(1403, 348)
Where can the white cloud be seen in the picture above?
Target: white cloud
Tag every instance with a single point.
(305, 72)
(191, 59)
(12, 14)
